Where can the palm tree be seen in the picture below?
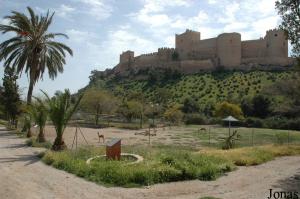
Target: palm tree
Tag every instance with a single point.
(39, 114)
(60, 112)
(33, 48)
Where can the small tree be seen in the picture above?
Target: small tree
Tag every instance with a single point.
(60, 112)
(174, 114)
(98, 102)
(131, 109)
(39, 114)
(261, 106)
(10, 96)
(224, 109)
(190, 106)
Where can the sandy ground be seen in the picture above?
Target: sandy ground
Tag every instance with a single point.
(164, 136)
(23, 176)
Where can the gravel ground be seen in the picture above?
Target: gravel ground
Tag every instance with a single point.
(23, 176)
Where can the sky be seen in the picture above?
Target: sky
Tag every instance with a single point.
(99, 30)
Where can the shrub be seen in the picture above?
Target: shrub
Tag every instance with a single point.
(195, 118)
(225, 109)
(33, 143)
(254, 122)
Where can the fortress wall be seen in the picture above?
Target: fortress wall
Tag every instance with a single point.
(277, 44)
(229, 49)
(121, 67)
(253, 48)
(165, 54)
(146, 60)
(195, 66)
(185, 43)
(126, 56)
(206, 49)
(274, 61)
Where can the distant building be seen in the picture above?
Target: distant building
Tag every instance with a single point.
(191, 54)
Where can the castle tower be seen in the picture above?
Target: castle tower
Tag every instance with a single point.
(184, 43)
(229, 48)
(127, 56)
(277, 44)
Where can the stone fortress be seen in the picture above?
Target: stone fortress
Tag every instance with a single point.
(227, 51)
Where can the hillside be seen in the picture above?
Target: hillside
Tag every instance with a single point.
(204, 88)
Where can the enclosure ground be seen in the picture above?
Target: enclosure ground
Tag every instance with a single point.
(22, 175)
(187, 136)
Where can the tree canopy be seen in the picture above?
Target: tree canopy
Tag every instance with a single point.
(32, 48)
(289, 10)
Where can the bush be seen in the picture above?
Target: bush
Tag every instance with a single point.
(33, 143)
(225, 109)
(195, 118)
(282, 123)
(254, 122)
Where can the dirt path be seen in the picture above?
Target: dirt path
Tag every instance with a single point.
(23, 176)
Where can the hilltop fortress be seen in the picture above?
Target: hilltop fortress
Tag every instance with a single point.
(227, 51)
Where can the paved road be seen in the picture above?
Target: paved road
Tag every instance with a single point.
(23, 176)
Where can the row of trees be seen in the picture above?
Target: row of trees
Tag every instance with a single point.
(34, 50)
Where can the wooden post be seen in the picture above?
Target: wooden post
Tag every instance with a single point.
(229, 128)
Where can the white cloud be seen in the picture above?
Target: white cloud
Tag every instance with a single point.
(151, 6)
(4, 21)
(190, 22)
(78, 36)
(229, 14)
(100, 9)
(153, 13)
(212, 1)
(122, 40)
(64, 10)
(260, 26)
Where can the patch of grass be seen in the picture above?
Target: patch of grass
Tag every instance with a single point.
(160, 165)
(248, 156)
(33, 143)
(3, 122)
(247, 136)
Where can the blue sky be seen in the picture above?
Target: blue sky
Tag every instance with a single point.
(100, 30)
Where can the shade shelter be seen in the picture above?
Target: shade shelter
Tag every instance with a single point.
(230, 119)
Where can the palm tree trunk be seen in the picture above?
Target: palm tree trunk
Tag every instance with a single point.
(59, 143)
(30, 90)
(41, 136)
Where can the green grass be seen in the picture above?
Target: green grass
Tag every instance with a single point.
(248, 136)
(3, 122)
(33, 143)
(249, 156)
(160, 165)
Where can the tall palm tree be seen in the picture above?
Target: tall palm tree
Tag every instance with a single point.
(33, 48)
(60, 112)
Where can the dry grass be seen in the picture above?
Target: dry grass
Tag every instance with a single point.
(249, 156)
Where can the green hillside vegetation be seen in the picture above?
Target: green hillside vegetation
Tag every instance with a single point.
(206, 88)
(258, 98)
